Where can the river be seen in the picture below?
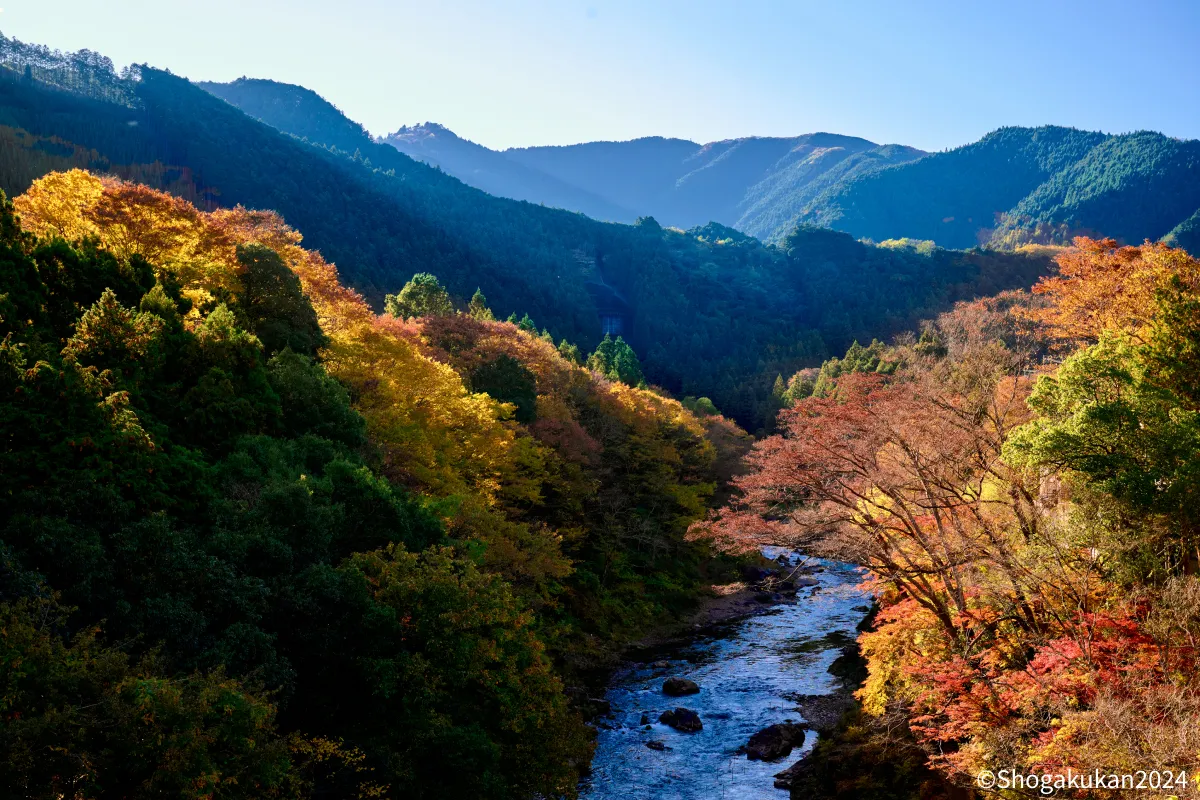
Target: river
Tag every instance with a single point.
(746, 670)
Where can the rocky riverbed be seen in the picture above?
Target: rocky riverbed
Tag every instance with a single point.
(768, 666)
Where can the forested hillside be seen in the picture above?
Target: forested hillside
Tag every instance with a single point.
(255, 536)
(1133, 187)
(302, 112)
(773, 207)
(954, 198)
(384, 217)
(1020, 185)
(1186, 234)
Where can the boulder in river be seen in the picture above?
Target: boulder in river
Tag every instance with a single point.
(774, 741)
(661, 664)
(802, 582)
(657, 745)
(678, 687)
(682, 719)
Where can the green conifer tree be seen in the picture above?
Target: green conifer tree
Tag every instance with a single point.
(423, 296)
(478, 307)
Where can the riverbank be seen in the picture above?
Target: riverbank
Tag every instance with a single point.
(730, 603)
(856, 755)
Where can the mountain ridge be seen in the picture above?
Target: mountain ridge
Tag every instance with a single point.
(480, 167)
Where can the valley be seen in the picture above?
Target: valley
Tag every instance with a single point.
(397, 466)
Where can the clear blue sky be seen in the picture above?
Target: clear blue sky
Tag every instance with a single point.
(928, 74)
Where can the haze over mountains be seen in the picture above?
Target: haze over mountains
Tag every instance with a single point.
(755, 184)
(758, 185)
(1015, 185)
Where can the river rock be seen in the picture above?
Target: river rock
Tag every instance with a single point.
(822, 712)
(645, 720)
(763, 597)
(661, 664)
(861, 609)
(756, 574)
(802, 582)
(657, 745)
(774, 741)
(785, 779)
(678, 687)
(682, 719)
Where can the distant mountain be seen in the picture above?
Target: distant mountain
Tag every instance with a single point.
(1015, 185)
(755, 184)
(954, 198)
(495, 173)
(772, 207)
(1019, 185)
(627, 173)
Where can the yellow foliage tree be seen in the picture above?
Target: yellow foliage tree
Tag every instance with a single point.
(1101, 286)
(434, 434)
(57, 205)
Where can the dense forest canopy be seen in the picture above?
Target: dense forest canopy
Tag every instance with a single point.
(329, 550)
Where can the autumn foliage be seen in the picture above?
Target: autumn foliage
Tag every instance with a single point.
(1027, 528)
(1100, 286)
(384, 540)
